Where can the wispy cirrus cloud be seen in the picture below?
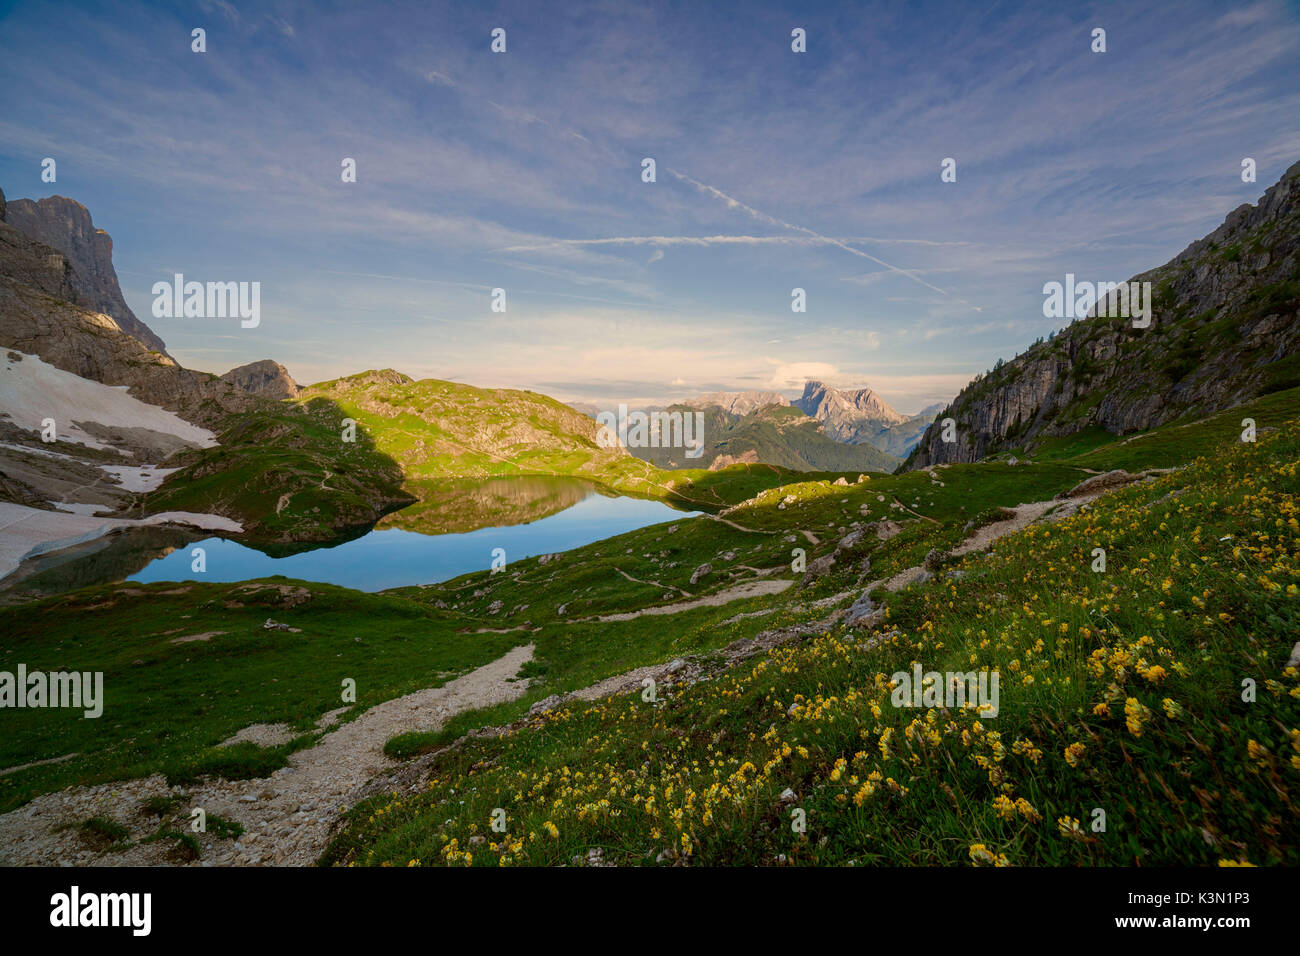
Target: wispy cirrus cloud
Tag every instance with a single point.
(733, 203)
(522, 171)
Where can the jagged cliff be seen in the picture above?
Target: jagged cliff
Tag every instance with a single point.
(847, 415)
(1223, 330)
(65, 225)
(33, 263)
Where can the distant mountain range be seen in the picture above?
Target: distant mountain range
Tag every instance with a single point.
(773, 433)
(737, 403)
(815, 432)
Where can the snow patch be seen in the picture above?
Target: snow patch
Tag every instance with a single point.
(32, 390)
(145, 478)
(78, 509)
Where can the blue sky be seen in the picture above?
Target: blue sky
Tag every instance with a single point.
(523, 171)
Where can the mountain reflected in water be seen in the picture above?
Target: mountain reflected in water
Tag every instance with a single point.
(453, 530)
(462, 505)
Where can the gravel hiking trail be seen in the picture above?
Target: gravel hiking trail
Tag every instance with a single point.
(739, 592)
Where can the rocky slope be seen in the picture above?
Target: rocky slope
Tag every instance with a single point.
(1223, 330)
(265, 378)
(65, 225)
(37, 318)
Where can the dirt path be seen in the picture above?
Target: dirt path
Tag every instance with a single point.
(1062, 507)
(36, 763)
(915, 514)
(287, 817)
(664, 587)
(1023, 516)
(811, 538)
(739, 527)
(739, 592)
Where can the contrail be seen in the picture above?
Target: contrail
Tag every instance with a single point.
(709, 241)
(773, 221)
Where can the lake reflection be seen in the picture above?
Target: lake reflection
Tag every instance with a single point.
(560, 514)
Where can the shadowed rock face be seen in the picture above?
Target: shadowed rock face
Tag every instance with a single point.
(41, 313)
(265, 378)
(1223, 331)
(31, 262)
(36, 321)
(65, 225)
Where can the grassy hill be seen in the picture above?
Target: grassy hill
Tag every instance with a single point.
(439, 430)
(283, 471)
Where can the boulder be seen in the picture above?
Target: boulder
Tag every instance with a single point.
(1099, 483)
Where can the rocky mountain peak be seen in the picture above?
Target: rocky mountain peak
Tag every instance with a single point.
(65, 225)
(848, 415)
(863, 400)
(266, 378)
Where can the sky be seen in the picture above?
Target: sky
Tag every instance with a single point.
(522, 170)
